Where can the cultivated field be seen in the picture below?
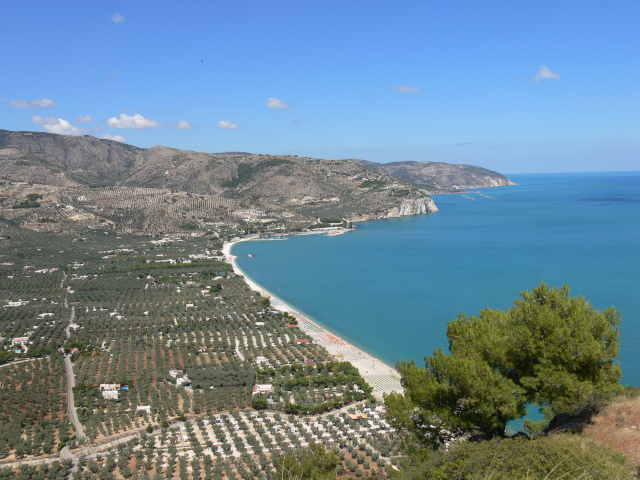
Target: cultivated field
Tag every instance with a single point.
(179, 367)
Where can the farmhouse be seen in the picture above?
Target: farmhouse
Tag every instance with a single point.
(109, 386)
(110, 394)
(260, 359)
(182, 380)
(263, 388)
(110, 391)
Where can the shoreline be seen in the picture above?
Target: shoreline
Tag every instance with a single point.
(380, 375)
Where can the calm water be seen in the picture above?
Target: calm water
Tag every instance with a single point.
(392, 285)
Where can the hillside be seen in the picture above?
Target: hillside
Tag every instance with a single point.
(108, 183)
(65, 160)
(51, 159)
(438, 176)
(617, 424)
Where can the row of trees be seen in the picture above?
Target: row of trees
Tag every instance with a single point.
(33, 407)
(252, 446)
(135, 324)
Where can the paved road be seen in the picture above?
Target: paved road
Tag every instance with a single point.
(66, 454)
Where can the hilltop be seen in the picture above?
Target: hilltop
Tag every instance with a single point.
(111, 183)
(439, 176)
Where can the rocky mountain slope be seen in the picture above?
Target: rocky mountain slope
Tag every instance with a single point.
(438, 176)
(51, 159)
(251, 185)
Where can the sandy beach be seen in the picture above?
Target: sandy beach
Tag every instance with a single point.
(381, 376)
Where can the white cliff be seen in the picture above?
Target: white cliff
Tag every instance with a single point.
(414, 206)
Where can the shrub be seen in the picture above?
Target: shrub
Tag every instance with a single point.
(553, 457)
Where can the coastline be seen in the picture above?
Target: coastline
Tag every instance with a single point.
(380, 375)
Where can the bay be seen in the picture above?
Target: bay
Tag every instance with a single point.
(391, 286)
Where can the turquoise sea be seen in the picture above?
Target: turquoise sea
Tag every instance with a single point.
(392, 285)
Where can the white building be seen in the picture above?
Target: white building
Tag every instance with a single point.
(261, 359)
(182, 380)
(110, 394)
(109, 386)
(263, 388)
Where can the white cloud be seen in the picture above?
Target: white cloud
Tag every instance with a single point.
(44, 103)
(137, 122)
(545, 73)
(84, 119)
(406, 89)
(44, 121)
(225, 125)
(276, 103)
(117, 18)
(117, 138)
(182, 125)
(57, 125)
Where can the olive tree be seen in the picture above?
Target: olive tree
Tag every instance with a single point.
(553, 458)
(315, 462)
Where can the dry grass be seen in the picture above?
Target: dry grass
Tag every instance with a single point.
(618, 424)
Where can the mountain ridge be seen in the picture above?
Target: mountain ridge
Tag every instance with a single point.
(440, 175)
(96, 161)
(289, 189)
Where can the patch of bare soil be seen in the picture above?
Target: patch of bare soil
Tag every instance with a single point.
(618, 424)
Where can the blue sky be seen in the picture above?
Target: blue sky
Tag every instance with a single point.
(514, 86)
